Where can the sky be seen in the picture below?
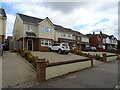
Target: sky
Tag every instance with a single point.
(84, 17)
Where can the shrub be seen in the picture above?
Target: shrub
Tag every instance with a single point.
(46, 60)
(97, 57)
(34, 64)
(30, 58)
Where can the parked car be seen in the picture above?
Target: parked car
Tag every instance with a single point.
(110, 48)
(91, 48)
(1, 49)
(60, 48)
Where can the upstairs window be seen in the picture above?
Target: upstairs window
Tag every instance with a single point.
(78, 38)
(68, 35)
(98, 39)
(63, 35)
(30, 28)
(46, 29)
(74, 37)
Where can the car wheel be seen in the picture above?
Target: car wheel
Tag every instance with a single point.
(49, 50)
(59, 51)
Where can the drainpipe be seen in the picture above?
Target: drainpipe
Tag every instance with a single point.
(23, 43)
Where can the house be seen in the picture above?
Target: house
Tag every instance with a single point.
(95, 40)
(109, 41)
(37, 34)
(102, 41)
(3, 18)
(84, 42)
(68, 36)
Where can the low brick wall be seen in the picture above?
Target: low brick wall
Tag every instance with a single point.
(47, 71)
(108, 58)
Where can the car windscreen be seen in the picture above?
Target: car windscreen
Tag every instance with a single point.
(66, 45)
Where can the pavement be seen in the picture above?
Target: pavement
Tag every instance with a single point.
(16, 72)
(56, 57)
(104, 75)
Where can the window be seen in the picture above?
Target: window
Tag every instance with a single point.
(45, 42)
(68, 35)
(78, 38)
(63, 35)
(45, 29)
(98, 39)
(74, 37)
(30, 28)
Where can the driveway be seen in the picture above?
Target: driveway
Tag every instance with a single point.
(56, 57)
(16, 72)
(101, 76)
(100, 53)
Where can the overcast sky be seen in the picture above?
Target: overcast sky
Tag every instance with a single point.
(84, 17)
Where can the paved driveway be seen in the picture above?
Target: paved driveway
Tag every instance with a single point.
(16, 72)
(101, 76)
(55, 57)
(100, 53)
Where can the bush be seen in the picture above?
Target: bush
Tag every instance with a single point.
(47, 61)
(30, 58)
(14, 50)
(97, 57)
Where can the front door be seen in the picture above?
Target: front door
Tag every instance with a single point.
(30, 44)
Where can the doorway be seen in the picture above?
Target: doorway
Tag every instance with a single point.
(30, 44)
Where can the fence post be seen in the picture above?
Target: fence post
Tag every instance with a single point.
(41, 70)
(104, 57)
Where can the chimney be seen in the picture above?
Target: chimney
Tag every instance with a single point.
(93, 33)
(101, 32)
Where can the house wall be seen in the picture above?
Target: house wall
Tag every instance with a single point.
(58, 35)
(2, 28)
(19, 28)
(42, 34)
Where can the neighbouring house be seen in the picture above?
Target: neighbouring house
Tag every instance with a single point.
(102, 41)
(84, 42)
(37, 34)
(109, 41)
(68, 36)
(3, 18)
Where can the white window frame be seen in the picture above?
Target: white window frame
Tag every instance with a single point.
(30, 28)
(46, 29)
(63, 35)
(43, 42)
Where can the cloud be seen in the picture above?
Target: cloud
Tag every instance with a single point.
(80, 16)
(10, 24)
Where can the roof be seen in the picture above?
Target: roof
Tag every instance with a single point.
(63, 29)
(2, 12)
(34, 20)
(30, 19)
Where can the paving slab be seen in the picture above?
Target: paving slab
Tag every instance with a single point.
(16, 72)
